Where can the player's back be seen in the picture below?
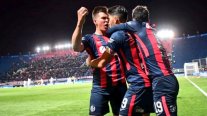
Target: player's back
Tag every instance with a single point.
(153, 51)
(154, 54)
(124, 45)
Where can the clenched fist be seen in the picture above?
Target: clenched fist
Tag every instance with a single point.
(81, 13)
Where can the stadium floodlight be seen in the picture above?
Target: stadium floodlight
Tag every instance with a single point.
(62, 46)
(38, 49)
(57, 46)
(45, 48)
(67, 45)
(165, 34)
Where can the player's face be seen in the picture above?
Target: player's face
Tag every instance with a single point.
(112, 20)
(101, 21)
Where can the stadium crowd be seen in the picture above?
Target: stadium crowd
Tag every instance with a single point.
(44, 67)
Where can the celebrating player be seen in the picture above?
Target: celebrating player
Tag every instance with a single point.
(108, 82)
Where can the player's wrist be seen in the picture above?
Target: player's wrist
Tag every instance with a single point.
(79, 25)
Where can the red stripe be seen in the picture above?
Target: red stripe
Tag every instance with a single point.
(146, 52)
(165, 106)
(114, 74)
(102, 70)
(131, 105)
(143, 61)
(135, 58)
(157, 52)
(122, 72)
(125, 60)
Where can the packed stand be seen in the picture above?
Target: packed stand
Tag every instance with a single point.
(44, 67)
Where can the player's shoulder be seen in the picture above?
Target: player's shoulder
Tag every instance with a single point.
(118, 34)
(87, 37)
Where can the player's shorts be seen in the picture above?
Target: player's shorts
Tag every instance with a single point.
(137, 102)
(99, 101)
(165, 91)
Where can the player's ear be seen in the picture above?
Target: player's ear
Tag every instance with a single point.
(94, 21)
(117, 21)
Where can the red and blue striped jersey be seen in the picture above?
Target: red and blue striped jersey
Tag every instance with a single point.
(126, 47)
(110, 75)
(154, 54)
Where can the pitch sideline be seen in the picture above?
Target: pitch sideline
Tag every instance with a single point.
(196, 86)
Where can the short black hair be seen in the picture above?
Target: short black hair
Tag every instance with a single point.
(98, 9)
(140, 13)
(119, 11)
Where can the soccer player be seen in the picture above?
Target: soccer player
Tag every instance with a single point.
(164, 83)
(109, 83)
(138, 100)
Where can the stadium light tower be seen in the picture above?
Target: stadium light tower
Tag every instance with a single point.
(165, 34)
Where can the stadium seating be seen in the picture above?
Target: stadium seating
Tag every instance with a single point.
(56, 64)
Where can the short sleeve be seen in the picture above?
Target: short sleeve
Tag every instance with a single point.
(85, 41)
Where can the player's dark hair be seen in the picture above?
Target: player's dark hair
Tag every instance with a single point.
(119, 11)
(140, 13)
(98, 9)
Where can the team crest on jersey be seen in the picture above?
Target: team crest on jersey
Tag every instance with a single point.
(102, 49)
(92, 108)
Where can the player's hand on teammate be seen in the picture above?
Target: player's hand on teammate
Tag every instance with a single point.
(88, 61)
(81, 13)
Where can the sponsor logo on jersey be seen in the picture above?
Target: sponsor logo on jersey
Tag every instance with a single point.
(102, 49)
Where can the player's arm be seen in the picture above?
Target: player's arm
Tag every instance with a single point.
(113, 45)
(101, 61)
(77, 34)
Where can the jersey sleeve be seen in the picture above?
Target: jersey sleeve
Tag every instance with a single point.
(86, 42)
(116, 41)
(122, 27)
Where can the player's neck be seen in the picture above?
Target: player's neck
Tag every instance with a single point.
(99, 32)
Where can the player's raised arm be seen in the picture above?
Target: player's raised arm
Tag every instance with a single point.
(77, 34)
(101, 61)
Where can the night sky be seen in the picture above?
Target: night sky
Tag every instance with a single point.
(25, 24)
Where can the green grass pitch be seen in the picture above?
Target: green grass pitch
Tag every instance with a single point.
(73, 100)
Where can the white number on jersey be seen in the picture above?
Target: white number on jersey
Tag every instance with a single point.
(158, 107)
(124, 103)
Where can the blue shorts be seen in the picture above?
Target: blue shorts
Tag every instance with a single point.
(137, 102)
(99, 101)
(165, 91)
